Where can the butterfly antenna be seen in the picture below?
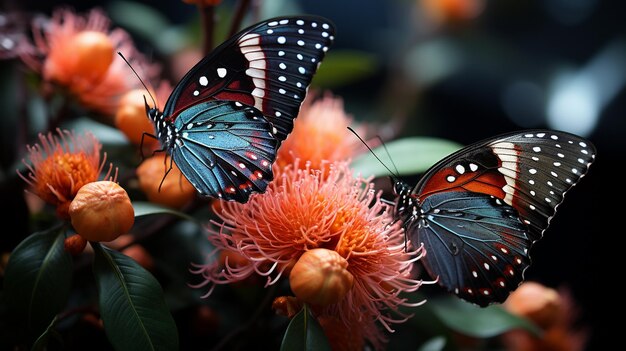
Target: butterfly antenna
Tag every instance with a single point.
(394, 174)
(138, 77)
(388, 155)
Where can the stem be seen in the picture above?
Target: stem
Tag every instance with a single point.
(242, 7)
(207, 13)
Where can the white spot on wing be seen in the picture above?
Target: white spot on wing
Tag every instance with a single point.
(221, 72)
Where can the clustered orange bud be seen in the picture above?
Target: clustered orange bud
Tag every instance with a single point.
(75, 244)
(101, 211)
(94, 54)
(320, 277)
(287, 306)
(132, 120)
(173, 191)
(536, 302)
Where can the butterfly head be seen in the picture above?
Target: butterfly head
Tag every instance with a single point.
(399, 187)
(153, 113)
(405, 203)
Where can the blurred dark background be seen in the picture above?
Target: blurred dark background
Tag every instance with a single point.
(467, 74)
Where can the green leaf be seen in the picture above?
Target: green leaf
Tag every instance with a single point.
(38, 279)
(154, 26)
(472, 320)
(410, 155)
(41, 344)
(341, 67)
(132, 307)
(148, 208)
(304, 333)
(435, 344)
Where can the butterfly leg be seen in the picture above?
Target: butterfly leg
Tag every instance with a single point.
(168, 169)
(143, 135)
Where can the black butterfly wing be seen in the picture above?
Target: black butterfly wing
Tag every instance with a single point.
(475, 244)
(528, 173)
(224, 149)
(268, 65)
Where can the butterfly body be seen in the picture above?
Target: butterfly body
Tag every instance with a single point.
(224, 121)
(478, 211)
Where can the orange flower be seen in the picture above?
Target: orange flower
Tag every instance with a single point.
(79, 54)
(61, 165)
(305, 209)
(553, 311)
(320, 134)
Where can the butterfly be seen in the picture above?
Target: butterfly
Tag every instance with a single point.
(478, 211)
(224, 121)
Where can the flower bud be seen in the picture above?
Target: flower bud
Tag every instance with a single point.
(75, 244)
(175, 190)
(93, 52)
(536, 302)
(320, 277)
(287, 306)
(132, 120)
(101, 211)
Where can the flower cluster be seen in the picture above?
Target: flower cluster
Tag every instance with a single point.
(64, 171)
(61, 164)
(325, 229)
(78, 54)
